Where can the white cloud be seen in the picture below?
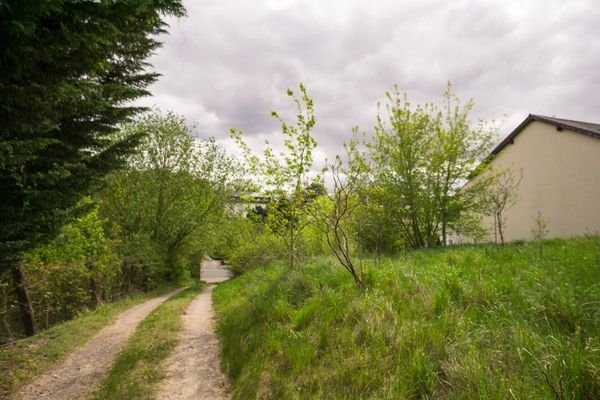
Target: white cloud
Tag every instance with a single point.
(228, 63)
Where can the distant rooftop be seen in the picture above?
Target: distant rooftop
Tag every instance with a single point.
(585, 128)
(254, 197)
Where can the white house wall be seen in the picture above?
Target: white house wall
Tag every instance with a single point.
(561, 179)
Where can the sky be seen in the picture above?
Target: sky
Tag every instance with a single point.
(228, 63)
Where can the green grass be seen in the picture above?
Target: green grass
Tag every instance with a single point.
(456, 323)
(25, 359)
(137, 371)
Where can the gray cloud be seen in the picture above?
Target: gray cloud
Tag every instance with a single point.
(228, 63)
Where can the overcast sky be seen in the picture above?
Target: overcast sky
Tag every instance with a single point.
(228, 63)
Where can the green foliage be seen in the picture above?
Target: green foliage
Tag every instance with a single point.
(256, 252)
(376, 232)
(69, 71)
(469, 226)
(285, 175)
(421, 158)
(470, 322)
(156, 218)
(246, 244)
(79, 269)
(168, 200)
(137, 371)
(313, 241)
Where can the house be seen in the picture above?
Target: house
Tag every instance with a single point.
(242, 203)
(560, 164)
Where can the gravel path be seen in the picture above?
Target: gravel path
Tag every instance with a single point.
(213, 271)
(82, 371)
(193, 368)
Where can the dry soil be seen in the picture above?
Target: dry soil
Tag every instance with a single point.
(83, 369)
(193, 368)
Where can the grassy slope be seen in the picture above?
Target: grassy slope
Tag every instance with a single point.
(137, 371)
(476, 322)
(25, 359)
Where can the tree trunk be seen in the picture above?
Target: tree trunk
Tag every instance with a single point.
(292, 246)
(94, 289)
(127, 270)
(500, 227)
(7, 327)
(94, 295)
(444, 234)
(495, 229)
(358, 280)
(418, 239)
(24, 301)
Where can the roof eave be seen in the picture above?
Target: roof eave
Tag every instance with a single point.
(532, 117)
(509, 139)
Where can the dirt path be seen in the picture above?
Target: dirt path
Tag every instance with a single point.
(193, 368)
(213, 271)
(82, 371)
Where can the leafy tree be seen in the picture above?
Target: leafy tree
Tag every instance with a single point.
(287, 174)
(370, 220)
(422, 156)
(401, 155)
(374, 232)
(171, 194)
(469, 226)
(247, 244)
(458, 146)
(68, 73)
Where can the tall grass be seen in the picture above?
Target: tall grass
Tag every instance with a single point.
(471, 322)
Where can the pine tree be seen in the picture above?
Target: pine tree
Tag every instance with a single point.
(69, 71)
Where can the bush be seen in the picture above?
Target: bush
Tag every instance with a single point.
(245, 243)
(255, 252)
(80, 269)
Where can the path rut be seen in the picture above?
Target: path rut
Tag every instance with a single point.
(193, 368)
(84, 368)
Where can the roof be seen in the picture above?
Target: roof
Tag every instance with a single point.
(585, 128)
(254, 198)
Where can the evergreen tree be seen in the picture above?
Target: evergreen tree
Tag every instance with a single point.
(68, 73)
